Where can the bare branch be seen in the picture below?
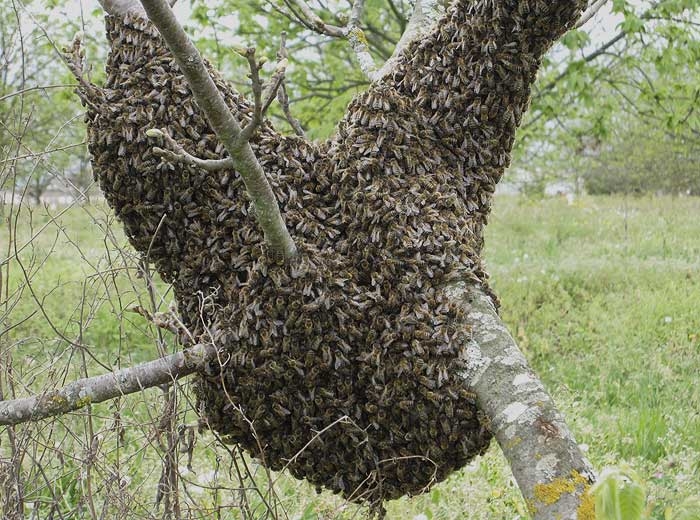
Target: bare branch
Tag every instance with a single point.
(283, 100)
(282, 97)
(261, 102)
(226, 127)
(83, 392)
(177, 153)
(358, 41)
(39, 88)
(352, 31)
(533, 436)
(312, 20)
(418, 24)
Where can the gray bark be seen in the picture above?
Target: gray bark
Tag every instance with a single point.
(551, 472)
(101, 388)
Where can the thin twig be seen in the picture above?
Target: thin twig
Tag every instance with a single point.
(261, 100)
(283, 100)
(40, 87)
(282, 97)
(176, 153)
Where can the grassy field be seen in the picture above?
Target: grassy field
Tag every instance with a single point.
(602, 296)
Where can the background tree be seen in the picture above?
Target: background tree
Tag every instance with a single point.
(630, 79)
(35, 94)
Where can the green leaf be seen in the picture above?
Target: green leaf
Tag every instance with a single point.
(632, 500)
(309, 513)
(619, 495)
(619, 6)
(632, 23)
(575, 40)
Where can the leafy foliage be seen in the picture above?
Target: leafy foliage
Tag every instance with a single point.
(618, 495)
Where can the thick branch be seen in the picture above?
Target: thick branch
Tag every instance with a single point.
(417, 25)
(101, 388)
(547, 464)
(590, 13)
(226, 127)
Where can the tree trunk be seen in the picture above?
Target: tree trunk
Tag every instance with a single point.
(547, 464)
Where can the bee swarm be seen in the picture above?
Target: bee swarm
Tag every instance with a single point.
(344, 366)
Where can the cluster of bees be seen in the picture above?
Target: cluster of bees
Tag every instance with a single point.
(343, 365)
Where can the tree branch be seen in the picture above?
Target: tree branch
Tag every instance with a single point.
(177, 153)
(262, 100)
(226, 127)
(547, 464)
(91, 390)
(590, 13)
(283, 100)
(352, 31)
(417, 25)
(282, 97)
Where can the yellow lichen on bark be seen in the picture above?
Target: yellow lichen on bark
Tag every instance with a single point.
(586, 511)
(512, 443)
(359, 34)
(550, 493)
(83, 401)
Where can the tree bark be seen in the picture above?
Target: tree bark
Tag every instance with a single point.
(551, 472)
(101, 388)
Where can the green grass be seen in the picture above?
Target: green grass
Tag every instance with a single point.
(602, 296)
